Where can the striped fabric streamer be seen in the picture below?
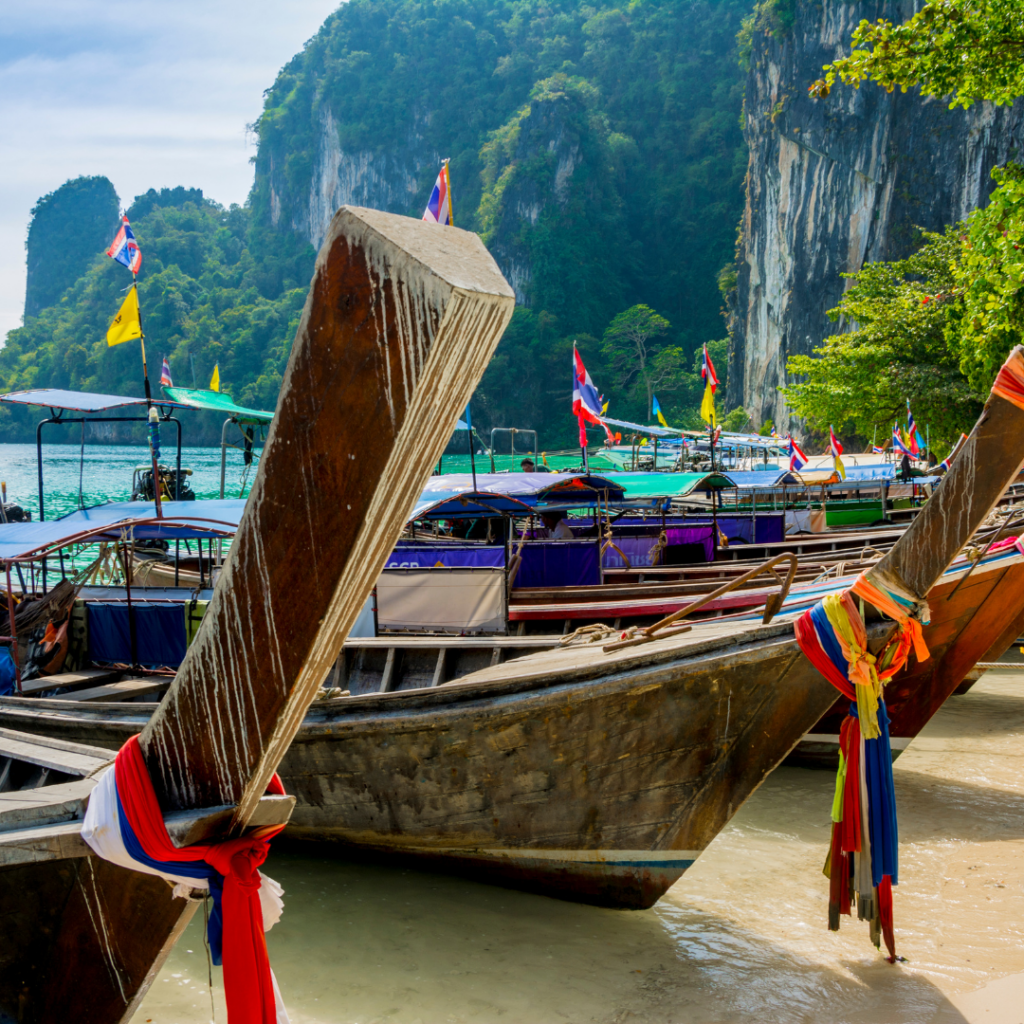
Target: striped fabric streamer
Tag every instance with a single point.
(863, 861)
(1010, 379)
(124, 824)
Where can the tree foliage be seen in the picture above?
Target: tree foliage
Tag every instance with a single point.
(637, 362)
(206, 298)
(900, 314)
(967, 50)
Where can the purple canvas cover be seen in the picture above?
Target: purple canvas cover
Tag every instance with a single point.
(553, 563)
(425, 557)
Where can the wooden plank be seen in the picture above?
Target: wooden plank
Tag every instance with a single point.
(123, 690)
(41, 843)
(439, 669)
(57, 755)
(400, 321)
(49, 805)
(387, 679)
(69, 680)
(412, 642)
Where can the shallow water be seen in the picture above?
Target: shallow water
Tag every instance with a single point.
(742, 937)
(105, 473)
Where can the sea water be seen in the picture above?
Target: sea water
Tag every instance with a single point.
(79, 478)
(742, 937)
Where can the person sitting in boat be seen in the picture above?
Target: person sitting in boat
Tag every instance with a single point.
(529, 466)
(558, 528)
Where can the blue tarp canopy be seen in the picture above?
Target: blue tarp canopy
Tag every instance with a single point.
(515, 493)
(77, 401)
(182, 520)
(641, 428)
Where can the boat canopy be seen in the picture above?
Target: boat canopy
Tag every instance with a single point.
(216, 401)
(78, 401)
(638, 486)
(509, 493)
(182, 520)
(641, 428)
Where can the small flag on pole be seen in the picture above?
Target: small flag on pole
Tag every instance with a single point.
(126, 325)
(165, 375)
(215, 379)
(707, 372)
(898, 444)
(125, 249)
(797, 459)
(836, 447)
(656, 409)
(439, 206)
(586, 403)
(915, 448)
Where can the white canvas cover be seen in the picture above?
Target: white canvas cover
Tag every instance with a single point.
(442, 600)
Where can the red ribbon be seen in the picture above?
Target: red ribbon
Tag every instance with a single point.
(248, 984)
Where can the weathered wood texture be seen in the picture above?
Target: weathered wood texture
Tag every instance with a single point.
(986, 465)
(401, 320)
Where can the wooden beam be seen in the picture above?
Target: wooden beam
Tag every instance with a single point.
(440, 667)
(400, 322)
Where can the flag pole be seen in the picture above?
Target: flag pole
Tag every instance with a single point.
(152, 416)
(472, 457)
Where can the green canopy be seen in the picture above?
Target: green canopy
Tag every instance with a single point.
(215, 401)
(666, 485)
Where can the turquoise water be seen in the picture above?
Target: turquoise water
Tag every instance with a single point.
(106, 474)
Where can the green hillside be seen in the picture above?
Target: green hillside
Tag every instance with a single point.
(596, 147)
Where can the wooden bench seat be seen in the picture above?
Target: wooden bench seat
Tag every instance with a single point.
(69, 680)
(56, 755)
(123, 690)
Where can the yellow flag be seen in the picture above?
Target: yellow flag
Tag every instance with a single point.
(707, 407)
(215, 379)
(837, 464)
(126, 325)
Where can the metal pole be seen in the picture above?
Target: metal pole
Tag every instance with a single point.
(14, 635)
(223, 453)
(472, 458)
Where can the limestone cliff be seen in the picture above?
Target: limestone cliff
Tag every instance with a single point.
(837, 182)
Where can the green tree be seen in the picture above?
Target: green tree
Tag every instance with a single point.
(902, 314)
(968, 50)
(638, 363)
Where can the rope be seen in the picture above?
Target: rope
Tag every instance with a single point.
(863, 855)
(593, 634)
(657, 552)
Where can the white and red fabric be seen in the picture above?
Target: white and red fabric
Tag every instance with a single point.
(797, 459)
(125, 249)
(834, 444)
(439, 206)
(586, 402)
(707, 371)
(124, 824)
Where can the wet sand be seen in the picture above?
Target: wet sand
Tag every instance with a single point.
(742, 937)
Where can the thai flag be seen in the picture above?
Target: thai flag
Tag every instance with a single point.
(897, 442)
(707, 371)
(165, 376)
(915, 448)
(439, 206)
(834, 444)
(586, 402)
(797, 459)
(124, 825)
(876, 450)
(125, 249)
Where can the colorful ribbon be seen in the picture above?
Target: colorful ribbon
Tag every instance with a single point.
(124, 824)
(1010, 379)
(863, 857)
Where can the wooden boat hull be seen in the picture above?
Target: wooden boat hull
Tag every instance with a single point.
(601, 783)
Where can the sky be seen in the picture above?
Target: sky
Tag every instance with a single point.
(151, 93)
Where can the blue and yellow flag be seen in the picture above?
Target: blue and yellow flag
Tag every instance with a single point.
(656, 409)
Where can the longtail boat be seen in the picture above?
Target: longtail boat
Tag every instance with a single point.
(591, 774)
(401, 320)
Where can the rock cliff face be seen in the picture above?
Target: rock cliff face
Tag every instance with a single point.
(381, 180)
(834, 183)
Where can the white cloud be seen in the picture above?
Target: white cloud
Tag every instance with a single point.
(151, 93)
